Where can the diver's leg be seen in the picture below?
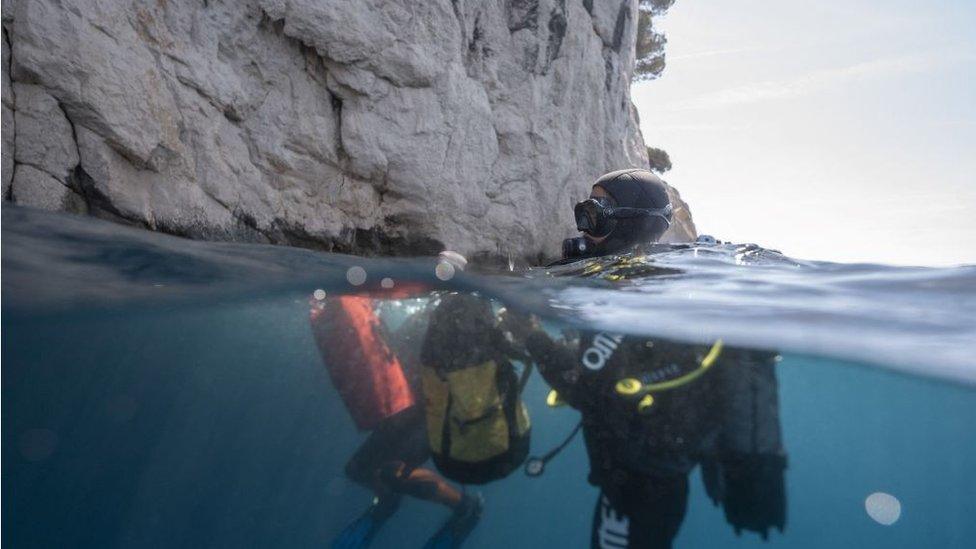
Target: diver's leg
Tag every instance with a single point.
(405, 474)
(389, 461)
(420, 483)
(657, 506)
(393, 440)
(644, 513)
(364, 465)
(611, 528)
(365, 468)
(360, 532)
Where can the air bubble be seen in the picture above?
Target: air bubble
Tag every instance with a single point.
(356, 275)
(319, 294)
(883, 508)
(386, 283)
(444, 271)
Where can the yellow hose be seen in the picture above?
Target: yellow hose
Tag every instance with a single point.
(630, 386)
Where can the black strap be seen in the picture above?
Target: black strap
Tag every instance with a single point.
(625, 212)
(524, 378)
(535, 466)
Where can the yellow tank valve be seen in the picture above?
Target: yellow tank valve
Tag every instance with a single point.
(553, 400)
(629, 386)
(645, 404)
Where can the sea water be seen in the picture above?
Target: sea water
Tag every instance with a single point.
(159, 392)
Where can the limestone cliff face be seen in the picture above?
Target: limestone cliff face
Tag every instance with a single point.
(388, 126)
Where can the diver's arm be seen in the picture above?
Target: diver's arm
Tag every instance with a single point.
(556, 362)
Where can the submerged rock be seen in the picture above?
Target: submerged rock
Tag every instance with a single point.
(364, 126)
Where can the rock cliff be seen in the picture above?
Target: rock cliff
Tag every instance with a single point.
(362, 126)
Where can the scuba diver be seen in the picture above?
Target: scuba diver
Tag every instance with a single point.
(380, 395)
(651, 410)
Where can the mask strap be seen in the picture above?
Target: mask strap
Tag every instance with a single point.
(625, 212)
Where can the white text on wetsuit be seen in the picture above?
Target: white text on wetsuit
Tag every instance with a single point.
(596, 355)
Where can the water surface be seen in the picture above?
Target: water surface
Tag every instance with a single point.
(162, 392)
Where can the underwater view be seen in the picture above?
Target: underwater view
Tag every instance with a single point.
(162, 392)
(383, 274)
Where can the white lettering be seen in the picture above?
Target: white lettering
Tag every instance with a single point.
(614, 527)
(593, 363)
(596, 355)
(671, 370)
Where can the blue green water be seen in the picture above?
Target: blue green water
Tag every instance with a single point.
(209, 421)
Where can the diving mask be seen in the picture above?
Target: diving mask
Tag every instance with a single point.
(597, 217)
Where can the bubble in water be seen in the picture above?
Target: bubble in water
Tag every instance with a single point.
(38, 444)
(444, 271)
(320, 294)
(386, 283)
(356, 275)
(883, 508)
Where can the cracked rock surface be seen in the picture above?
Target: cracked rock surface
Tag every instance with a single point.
(362, 126)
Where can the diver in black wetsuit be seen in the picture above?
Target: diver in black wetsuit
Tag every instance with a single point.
(652, 410)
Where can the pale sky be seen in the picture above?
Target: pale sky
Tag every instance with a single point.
(843, 131)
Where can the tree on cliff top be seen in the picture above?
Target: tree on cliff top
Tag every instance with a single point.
(650, 44)
(658, 160)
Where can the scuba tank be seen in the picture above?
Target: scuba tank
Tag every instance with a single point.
(367, 375)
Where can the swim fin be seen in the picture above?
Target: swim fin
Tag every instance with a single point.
(361, 531)
(461, 523)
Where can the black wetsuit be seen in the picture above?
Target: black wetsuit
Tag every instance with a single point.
(640, 460)
(397, 446)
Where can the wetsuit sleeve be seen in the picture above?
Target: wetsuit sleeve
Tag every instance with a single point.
(556, 363)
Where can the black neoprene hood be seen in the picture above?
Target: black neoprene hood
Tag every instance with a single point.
(634, 188)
